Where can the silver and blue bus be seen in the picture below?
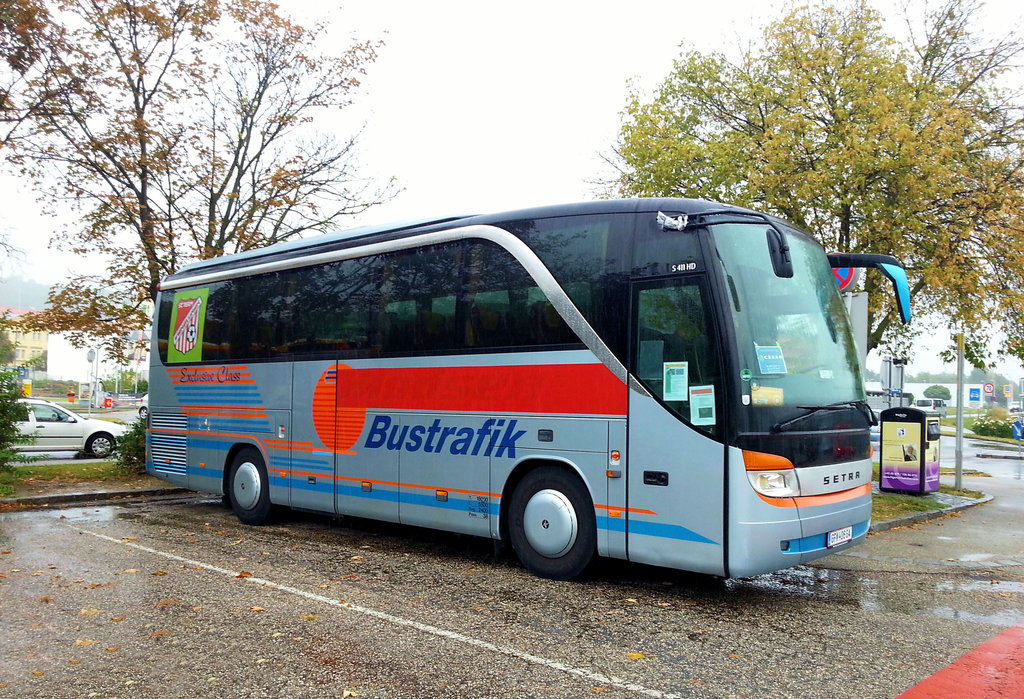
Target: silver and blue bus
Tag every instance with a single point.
(668, 381)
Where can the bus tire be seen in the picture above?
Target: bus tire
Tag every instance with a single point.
(249, 488)
(551, 524)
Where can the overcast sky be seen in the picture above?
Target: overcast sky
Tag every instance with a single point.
(478, 106)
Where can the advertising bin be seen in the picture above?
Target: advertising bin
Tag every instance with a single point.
(909, 451)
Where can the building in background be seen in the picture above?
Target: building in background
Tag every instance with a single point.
(28, 349)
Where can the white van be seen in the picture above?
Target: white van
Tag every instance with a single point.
(935, 406)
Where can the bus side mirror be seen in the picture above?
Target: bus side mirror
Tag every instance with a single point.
(889, 266)
(778, 249)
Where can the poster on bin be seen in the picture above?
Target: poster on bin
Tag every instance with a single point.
(901, 456)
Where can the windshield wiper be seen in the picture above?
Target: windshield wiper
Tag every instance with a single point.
(859, 405)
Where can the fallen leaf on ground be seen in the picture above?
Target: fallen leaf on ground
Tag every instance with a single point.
(244, 574)
(158, 634)
(45, 600)
(159, 572)
(166, 603)
(257, 609)
(309, 617)
(635, 656)
(89, 612)
(84, 642)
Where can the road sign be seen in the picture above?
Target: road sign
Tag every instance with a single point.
(1008, 389)
(846, 277)
(974, 395)
(989, 389)
(1018, 430)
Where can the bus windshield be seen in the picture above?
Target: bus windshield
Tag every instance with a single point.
(795, 349)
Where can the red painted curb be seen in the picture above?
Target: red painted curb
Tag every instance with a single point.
(993, 669)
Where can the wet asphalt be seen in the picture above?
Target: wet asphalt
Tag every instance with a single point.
(176, 598)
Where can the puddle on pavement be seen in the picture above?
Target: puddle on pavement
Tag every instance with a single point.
(868, 593)
(799, 580)
(1004, 618)
(980, 585)
(76, 514)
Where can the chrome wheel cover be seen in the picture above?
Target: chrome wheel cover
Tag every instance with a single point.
(550, 523)
(246, 485)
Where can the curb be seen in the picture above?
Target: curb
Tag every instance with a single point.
(32, 501)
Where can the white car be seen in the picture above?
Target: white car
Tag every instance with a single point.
(58, 429)
(144, 407)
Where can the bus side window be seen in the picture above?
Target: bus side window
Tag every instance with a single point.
(675, 357)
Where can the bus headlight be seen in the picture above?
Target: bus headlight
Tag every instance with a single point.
(771, 475)
(774, 484)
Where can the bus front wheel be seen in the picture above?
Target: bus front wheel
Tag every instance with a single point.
(249, 488)
(551, 524)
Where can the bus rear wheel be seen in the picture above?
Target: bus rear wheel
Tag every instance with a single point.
(249, 488)
(552, 525)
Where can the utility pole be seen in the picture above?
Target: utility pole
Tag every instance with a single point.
(959, 482)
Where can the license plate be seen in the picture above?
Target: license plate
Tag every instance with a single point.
(839, 536)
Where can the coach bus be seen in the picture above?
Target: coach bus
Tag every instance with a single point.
(666, 381)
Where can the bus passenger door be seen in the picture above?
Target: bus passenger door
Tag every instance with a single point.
(676, 480)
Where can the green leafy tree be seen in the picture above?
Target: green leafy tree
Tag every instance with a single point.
(937, 391)
(873, 146)
(182, 130)
(11, 413)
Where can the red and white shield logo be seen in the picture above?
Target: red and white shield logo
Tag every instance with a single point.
(186, 327)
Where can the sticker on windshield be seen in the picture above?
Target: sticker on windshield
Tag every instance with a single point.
(770, 359)
(763, 395)
(188, 317)
(675, 376)
(702, 405)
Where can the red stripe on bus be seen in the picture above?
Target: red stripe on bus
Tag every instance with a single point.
(582, 389)
(993, 669)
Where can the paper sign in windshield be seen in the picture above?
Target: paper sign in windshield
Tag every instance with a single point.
(770, 359)
(702, 405)
(676, 380)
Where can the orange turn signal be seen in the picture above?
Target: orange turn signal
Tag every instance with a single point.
(759, 461)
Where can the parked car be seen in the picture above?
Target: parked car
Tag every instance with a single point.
(144, 407)
(58, 429)
(933, 406)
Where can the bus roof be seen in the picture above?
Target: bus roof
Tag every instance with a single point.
(375, 233)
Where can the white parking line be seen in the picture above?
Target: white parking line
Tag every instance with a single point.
(589, 675)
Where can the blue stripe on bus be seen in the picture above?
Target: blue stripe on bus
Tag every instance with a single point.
(662, 531)
(818, 542)
(358, 492)
(218, 401)
(209, 444)
(260, 425)
(451, 504)
(312, 463)
(208, 391)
